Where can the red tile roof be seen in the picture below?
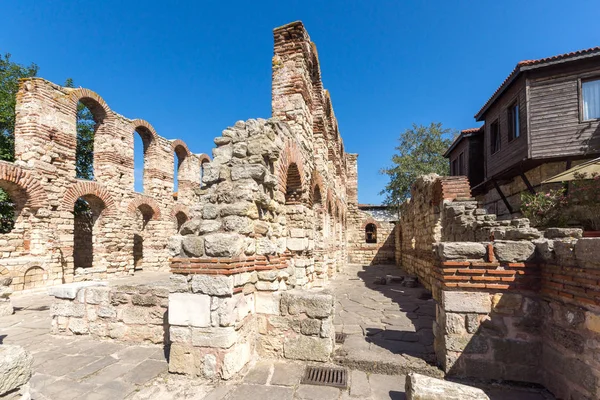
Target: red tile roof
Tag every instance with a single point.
(526, 64)
(463, 134)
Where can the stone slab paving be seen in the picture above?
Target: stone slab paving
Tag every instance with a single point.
(78, 367)
(389, 327)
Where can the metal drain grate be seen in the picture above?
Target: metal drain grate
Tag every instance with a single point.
(326, 376)
(340, 337)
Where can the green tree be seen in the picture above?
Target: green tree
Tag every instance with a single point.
(10, 73)
(86, 124)
(420, 152)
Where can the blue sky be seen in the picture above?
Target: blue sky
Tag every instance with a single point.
(193, 68)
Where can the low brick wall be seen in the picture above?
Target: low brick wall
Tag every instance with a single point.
(132, 314)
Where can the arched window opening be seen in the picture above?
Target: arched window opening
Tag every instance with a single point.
(86, 211)
(371, 233)
(181, 219)
(144, 214)
(7, 212)
(89, 117)
(317, 199)
(34, 277)
(293, 185)
(202, 173)
(142, 138)
(179, 156)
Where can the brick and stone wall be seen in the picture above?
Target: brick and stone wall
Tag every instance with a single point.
(47, 245)
(133, 314)
(513, 303)
(381, 250)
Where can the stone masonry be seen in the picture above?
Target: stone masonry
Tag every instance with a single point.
(513, 303)
(267, 230)
(130, 229)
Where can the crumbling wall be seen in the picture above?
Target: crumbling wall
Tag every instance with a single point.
(513, 303)
(132, 314)
(269, 219)
(41, 249)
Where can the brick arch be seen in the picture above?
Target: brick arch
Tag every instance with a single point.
(147, 201)
(17, 177)
(177, 209)
(178, 144)
(82, 188)
(91, 100)
(370, 220)
(203, 158)
(290, 155)
(316, 182)
(146, 127)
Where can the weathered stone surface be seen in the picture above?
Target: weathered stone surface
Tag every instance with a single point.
(187, 309)
(587, 251)
(307, 348)
(461, 251)
(214, 285)
(314, 304)
(214, 337)
(223, 244)
(235, 359)
(522, 234)
(6, 308)
(466, 302)
(69, 290)
(421, 387)
(558, 233)
(193, 246)
(16, 366)
(514, 251)
(267, 303)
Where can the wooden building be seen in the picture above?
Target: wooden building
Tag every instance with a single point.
(543, 119)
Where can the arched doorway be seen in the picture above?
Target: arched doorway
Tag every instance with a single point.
(87, 211)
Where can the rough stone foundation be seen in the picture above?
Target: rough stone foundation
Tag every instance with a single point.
(513, 303)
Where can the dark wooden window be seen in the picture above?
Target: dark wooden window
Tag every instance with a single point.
(461, 164)
(590, 99)
(514, 129)
(454, 167)
(495, 136)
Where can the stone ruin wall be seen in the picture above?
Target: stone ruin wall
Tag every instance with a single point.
(42, 183)
(513, 303)
(380, 253)
(267, 232)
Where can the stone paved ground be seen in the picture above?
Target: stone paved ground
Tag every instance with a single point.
(80, 368)
(388, 326)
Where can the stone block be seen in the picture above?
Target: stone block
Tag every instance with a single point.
(235, 359)
(514, 251)
(307, 348)
(223, 244)
(421, 387)
(558, 233)
(522, 234)
(214, 337)
(517, 352)
(180, 334)
(466, 302)
(186, 359)
(69, 290)
(193, 246)
(214, 285)
(461, 250)
(314, 304)
(506, 303)
(267, 303)
(586, 253)
(66, 308)
(468, 344)
(592, 321)
(16, 367)
(310, 326)
(187, 309)
(97, 295)
(297, 244)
